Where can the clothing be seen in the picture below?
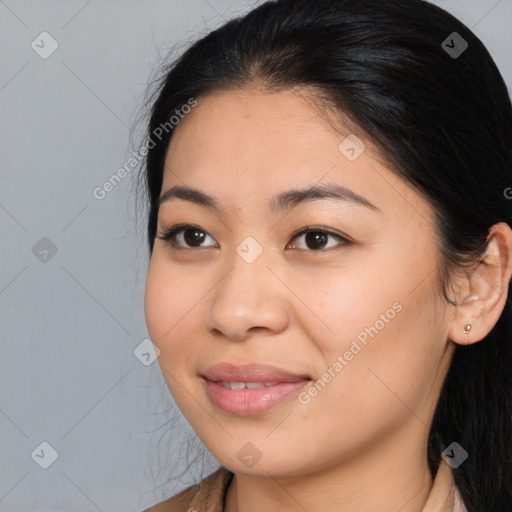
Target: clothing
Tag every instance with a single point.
(210, 493)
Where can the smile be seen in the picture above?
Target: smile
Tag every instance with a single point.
(250, 398)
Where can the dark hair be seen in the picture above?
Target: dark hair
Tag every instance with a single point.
(442, 121)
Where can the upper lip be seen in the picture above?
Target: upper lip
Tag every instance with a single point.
(253, 372)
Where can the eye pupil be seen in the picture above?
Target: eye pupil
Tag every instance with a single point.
(198, 236)
(316, 238)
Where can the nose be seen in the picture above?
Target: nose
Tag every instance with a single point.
(250, 297)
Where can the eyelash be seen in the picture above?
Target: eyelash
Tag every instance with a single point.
(168, 234)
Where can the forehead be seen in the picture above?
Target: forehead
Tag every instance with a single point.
(251, 143)
(254, 130)
(236, 116)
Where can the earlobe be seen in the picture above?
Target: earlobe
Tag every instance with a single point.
(488, 286)
(467, 328)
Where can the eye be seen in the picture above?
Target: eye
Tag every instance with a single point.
(190, 234)
(316, 237)
(193, 236)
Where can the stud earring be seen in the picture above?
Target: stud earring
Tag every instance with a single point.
(467, 328)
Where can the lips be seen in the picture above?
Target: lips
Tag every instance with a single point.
(252, 372)
(252, 388)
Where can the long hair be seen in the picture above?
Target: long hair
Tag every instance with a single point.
(436, 106)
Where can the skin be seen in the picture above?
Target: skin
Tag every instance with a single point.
(361, 442)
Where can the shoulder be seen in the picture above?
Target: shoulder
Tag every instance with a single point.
(207, 496)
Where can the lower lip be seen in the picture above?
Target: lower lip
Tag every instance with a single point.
(245, 402)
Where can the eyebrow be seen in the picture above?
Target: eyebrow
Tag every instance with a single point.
(283, 201)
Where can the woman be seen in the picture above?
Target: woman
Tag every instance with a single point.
(331, 254)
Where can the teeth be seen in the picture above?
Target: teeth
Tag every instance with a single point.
(248, 385)
(254, 385)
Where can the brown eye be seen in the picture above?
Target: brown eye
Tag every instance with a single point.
(186, 236)
(316, 238)
(192, 236)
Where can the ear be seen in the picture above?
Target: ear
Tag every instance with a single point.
(484, 291)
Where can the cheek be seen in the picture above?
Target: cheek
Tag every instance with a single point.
(388, 361)
(383, 326)
(346, 301)
(374, 298)
(166, 303)
(163, 310)
(172, 300)
(156, 297)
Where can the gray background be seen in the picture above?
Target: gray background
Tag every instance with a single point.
(71, 319)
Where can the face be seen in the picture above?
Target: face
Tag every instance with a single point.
(338, 294)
